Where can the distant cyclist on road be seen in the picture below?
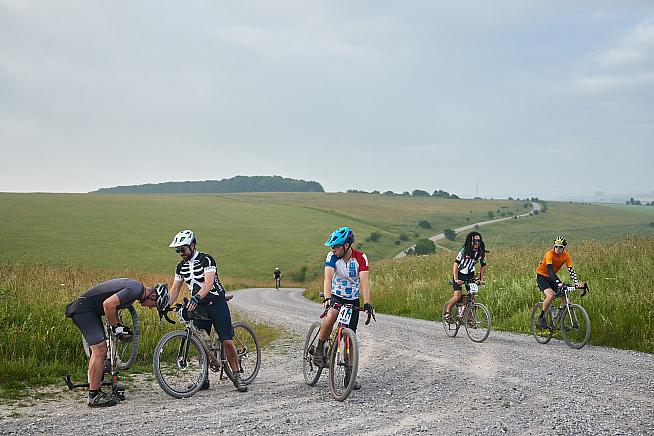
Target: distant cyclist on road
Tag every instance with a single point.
(463, 270)
(546, 277)
(278, 278)
(199, 272)
(106, 299)
(346, 272)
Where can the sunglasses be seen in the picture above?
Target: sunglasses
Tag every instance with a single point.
(476, 241)
(181, 249)
(559, 246)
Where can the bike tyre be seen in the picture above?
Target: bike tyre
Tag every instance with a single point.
(131, 348)
(338, 394)
(247, 344)
(578, 310)
(478, 334)
(311, 372)
(450, 329)
(189, 390)
(542, 336)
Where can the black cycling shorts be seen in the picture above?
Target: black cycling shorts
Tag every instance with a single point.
(221, 319)
(547, 283)
(465, 277)
(90, 323)
(354, 320)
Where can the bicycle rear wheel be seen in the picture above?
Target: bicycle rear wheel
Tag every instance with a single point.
(542, 336)
(344, 364)
(248, 353)
(309, 369)
(126, 351)
(180, 366)
(575, 326)
(477, 320)
(451, 329)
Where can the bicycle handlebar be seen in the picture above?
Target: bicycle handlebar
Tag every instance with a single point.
(176, 307)
(360, 309)
(572, 288)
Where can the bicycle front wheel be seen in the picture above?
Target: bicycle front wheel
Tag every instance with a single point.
(309, 369)
(575, 326)
(344, 364)
(542, 335)
(248, 353)
(451, 328)
(180, 364)
(477, 320)
(126, 351)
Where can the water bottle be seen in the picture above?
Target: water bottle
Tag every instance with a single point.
(554, 311)
(460, 310)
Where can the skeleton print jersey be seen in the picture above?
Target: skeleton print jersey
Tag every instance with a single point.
(192, 272)
(467, 263)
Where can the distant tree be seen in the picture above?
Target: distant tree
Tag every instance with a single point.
(424, 246)
(397, 242)
(404, 237)
(420, 193)
(510, 198)
(491, 214)
(298, 275)
(389, 193)
(449, 234)
(375, 236)
(424, 224)
(376, 192)
(406, 193)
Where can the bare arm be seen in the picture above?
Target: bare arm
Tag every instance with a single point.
(365, 286)
(455, 272)
(110, 306)
(327, 283)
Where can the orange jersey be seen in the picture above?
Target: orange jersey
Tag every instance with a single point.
(556, 260)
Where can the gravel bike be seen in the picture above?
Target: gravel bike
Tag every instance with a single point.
(121, 354)
(467, 311)
(182, 358)
(571, 320)
(341, 353)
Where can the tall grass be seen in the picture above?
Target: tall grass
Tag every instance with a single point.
(38, 343)
(619, 274)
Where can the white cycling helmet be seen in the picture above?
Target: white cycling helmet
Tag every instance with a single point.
(185, 237)
(163, 298)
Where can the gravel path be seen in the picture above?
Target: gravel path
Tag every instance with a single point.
(415, 380)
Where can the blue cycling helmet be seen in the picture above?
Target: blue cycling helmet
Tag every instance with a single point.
(340, 237)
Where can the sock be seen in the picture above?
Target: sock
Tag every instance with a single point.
(93, 394)
(320, 346)
(542, 314)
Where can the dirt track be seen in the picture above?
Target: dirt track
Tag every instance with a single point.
(415, 380)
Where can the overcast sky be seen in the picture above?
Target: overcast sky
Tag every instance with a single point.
(547, 98)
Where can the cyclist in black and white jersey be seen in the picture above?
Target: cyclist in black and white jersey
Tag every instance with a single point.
(198, 270)
(106, 299)
(463, 270)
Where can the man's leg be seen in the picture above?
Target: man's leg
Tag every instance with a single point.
(549, 296)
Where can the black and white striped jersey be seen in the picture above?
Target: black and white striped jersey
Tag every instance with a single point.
(467, 263)
(192, 272)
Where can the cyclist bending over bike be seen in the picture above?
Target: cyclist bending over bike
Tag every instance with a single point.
(346, 271)
(106, 299)
(463, 270)
(548, 281)
(199, 272)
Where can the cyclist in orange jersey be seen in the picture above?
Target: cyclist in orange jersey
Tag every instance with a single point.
(546, 278)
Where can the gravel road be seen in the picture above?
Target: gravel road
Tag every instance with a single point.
(415, 380)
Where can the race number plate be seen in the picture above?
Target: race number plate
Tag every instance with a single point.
(344, 315)
(473, 288)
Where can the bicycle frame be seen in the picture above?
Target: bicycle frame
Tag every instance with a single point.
(565, 291)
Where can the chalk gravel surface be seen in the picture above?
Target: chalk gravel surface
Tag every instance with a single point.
(415, 380)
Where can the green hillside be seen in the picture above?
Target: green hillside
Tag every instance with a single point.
(252, 233)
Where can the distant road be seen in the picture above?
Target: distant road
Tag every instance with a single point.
(535, 207)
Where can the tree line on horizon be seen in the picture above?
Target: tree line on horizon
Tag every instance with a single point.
(231, 185)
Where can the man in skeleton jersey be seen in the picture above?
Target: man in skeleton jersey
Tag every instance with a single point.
(199, 272)
(463, 270)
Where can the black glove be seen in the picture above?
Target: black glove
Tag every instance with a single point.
(195, 299)
(326, 302)
(369, 308)
(122, 332)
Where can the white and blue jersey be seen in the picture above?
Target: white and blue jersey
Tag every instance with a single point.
(345, 283)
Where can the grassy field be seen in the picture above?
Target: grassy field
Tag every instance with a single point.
(618, 272)
(38, 344)
(248, 234)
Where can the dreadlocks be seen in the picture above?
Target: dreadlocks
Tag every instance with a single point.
(467, 247)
